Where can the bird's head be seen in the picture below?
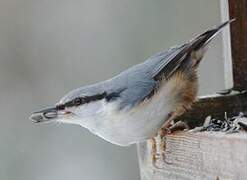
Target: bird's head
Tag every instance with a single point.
(82, 106)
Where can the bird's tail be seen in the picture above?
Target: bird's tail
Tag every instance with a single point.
(203, 39)
(195, 49)
(198, 46)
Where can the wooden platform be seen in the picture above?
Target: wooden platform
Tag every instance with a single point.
(197, 156)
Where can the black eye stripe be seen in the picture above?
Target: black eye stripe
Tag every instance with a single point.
(81, 100)
(86, 99)
(112, 96)
(60, 107)
(96, 97)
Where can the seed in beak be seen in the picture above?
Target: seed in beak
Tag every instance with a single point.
(36, 117)
(50, 114)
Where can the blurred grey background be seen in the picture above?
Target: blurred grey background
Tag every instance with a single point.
(49, 47)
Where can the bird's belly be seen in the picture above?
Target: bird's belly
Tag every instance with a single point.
(139, 123)
(134, 126)
(145, 119)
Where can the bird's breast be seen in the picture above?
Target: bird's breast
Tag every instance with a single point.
(143, 121)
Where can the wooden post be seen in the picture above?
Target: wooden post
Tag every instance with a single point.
(238, 10)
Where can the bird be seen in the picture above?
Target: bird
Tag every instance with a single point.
(136, 104)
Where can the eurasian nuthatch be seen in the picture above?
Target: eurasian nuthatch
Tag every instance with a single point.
(133, 106)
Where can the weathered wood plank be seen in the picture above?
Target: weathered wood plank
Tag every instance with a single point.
(192, 156)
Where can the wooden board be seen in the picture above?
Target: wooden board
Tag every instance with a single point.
(198, 156)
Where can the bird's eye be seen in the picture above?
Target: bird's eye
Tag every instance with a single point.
(77, 101)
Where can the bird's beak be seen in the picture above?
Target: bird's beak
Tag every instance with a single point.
(44, 115)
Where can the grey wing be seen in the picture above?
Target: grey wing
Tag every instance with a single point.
(141, 80)
(136, 84)
(179, 57)
(136, 93)
(169, 62)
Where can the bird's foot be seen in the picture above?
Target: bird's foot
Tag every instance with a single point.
(157, 153)
(168, 128)
(154, 153)
(163, 133)
(178, 126)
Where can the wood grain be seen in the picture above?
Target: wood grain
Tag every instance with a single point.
(238, 10)
(197, 156)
